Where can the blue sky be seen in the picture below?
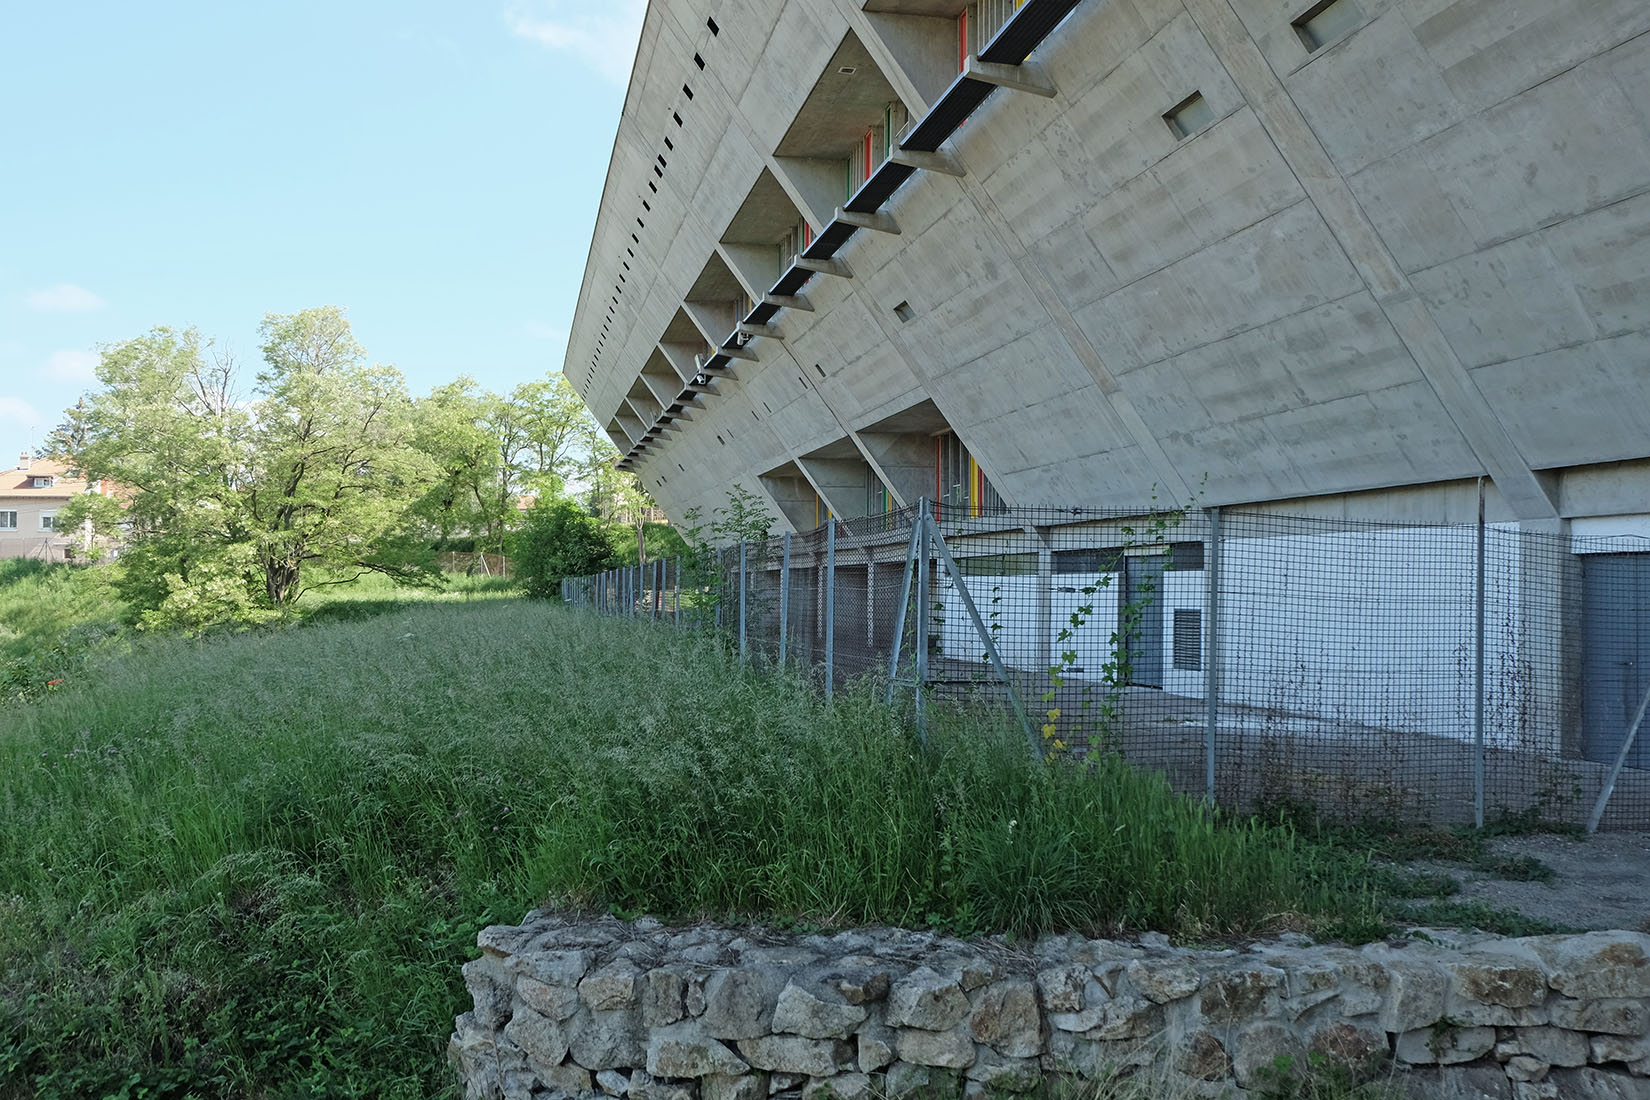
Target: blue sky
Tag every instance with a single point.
(433, 166)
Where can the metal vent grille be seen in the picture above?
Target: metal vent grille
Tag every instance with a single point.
(1188, 640)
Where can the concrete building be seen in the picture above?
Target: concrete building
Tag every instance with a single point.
(1341, 258)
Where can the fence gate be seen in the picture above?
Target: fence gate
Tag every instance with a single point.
(1615, 654)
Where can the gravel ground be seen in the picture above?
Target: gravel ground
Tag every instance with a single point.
(1601, 881)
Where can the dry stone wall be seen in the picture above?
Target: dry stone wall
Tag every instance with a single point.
(570, 1008)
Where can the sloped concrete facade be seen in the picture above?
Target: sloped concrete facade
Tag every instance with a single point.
(1337, 258)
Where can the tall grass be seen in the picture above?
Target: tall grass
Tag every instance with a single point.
(252, 865)
(41, 603)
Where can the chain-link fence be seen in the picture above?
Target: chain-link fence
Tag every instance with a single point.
(1452, 673)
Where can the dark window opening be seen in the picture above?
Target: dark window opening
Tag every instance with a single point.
(699, 61)
(714, 29)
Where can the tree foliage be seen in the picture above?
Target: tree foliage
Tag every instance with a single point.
(247, 488)
(236, 490)
(559, 539)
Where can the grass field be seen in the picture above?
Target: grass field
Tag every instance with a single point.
(251, 865)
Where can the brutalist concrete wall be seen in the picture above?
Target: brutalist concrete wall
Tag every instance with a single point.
(582, 1008)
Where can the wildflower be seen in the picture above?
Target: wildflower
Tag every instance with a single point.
(53, 683)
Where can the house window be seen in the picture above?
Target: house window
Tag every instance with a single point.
(43, 482)
(48, 521)
(8, 521)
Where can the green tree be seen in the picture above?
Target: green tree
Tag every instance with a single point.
(559, 539)
(236, 495)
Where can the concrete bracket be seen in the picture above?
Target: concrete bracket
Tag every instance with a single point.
(788, 301)
(940, 161)
(770, 331)
(881, 223)
(839, 268)
(736, 351)
(1025, 77)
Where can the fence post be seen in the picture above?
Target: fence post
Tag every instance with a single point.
(904, 604)
(924, 613)
(742, 574)
(678, 590)
(784, 598)
(830, 608)
(1211, 658)
(658, 587)
(1478, 673)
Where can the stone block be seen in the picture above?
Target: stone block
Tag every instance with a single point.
(859, 984)
(1506, 981)
(875, 1045)
(1091, 1012)
(1444, 1045)
(1202, 1055)
(612, 1082)
(1598, 965)
(606, 1040)
(1239, 994)
(662, 1001)
(786, 1082)
(1128, 1018)
(1000, 1074)
(1257, 1049)
(797, 1054)
(744, 1086)
(1523, 1067)
(539, 1037)
(1005, 1017)
(1414, 996)
(1613, 1016)
(559, 968)
(684, 1050)
(612, 988)
(1163, 980)
(926, 999)
(555, 1001)
(904, 1079)
(1554, 1045)
(1618, 1048)
(644, 1086)
(807, 1012)
(739, 1003)
(1596, 1083)
(953, 1049)
(1348, 1044)
(844, 1086)
(489, 987)
(1062, 987)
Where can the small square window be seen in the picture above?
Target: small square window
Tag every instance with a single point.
(1327, 22)
(1190, 115)
(48, 521)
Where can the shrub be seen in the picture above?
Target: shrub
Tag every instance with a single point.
(559, 539)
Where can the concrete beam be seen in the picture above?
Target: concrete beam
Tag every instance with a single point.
(772, 332)
(1025, 77)
(788, 301)
(839, 268)
(881, 223)
(941, 161)
(738, 352)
